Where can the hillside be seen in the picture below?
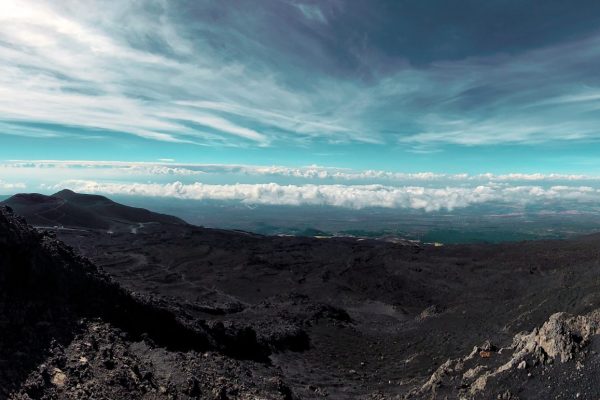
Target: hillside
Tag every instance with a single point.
(69, 209)
(69, 331)
(206, 313)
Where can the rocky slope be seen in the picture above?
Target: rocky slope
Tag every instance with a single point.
(177, 311)
(76, 210)
(393, 313)
(69, 331)
(555, 361)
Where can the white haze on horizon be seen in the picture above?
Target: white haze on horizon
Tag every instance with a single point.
(347, 196)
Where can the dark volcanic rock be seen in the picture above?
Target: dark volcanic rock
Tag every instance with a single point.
(68, 330)
(103, 362)
(533, 366)
(384, 319)
(177, 311)
(75, 210)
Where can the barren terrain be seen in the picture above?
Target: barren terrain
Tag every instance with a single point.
(252, 316)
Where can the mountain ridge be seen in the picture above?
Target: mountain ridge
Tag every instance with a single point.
(76, 210)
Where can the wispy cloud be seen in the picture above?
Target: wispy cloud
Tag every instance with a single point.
(264, 79)
(310, 173)
(76, 65)
(117, 168)
(311, 11)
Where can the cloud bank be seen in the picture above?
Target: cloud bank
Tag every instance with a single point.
(349, 196)
(310, 185)
(10, 186)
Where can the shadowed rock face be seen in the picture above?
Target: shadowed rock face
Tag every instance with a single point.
(42, 274)
(76, 210)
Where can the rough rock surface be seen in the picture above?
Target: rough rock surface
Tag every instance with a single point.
(559, 340)
(69, 331)
(102, 362)
(177, 311)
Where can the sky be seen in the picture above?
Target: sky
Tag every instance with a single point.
(112, 94)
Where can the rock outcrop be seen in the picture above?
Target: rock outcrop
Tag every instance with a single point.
(559, 340)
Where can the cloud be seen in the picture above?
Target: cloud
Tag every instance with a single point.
(119, 167)
(173, 74)
(217, 123)
(11, 186)
(311, 12)
(311, 173)
(354, 196)
(310, 185)
(73, 73)
(84, 68)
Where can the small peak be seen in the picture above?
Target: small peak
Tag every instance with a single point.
(64, 193)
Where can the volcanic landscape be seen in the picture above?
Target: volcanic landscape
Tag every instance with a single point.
(103, 301)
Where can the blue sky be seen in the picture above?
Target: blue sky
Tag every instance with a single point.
(399, 86)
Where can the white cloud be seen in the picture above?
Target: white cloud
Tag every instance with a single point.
(350, 196)
(311, 12)
(312, 172)
(118, 167)
(77, 63)
(11, 186)
(73, 63)
(314, 185)
(217, 123)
